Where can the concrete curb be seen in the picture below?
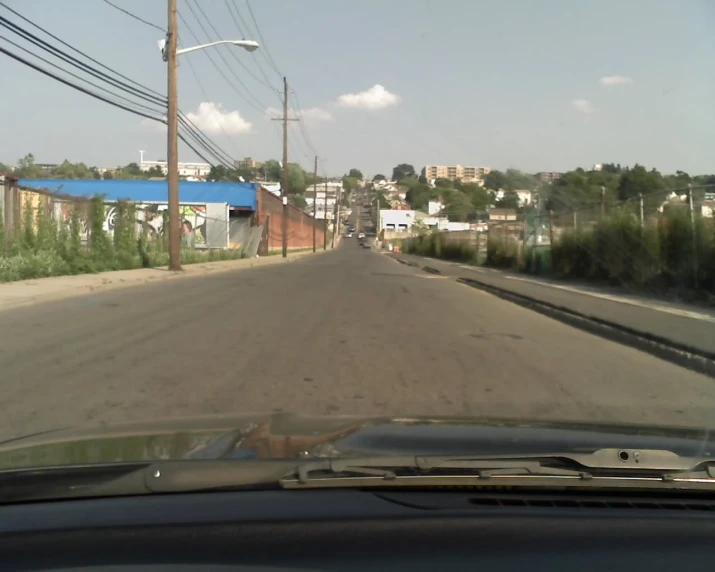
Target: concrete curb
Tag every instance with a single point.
(431, 270)
(688, 357)
(36, 291)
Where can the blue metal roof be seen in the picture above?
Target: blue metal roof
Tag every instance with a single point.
(234, 194)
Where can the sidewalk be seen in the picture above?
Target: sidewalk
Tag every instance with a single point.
(26, 292)
(689, 328)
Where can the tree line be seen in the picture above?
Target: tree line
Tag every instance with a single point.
(574, 190)
(298, 179)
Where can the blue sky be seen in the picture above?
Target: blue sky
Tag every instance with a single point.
(547, 85)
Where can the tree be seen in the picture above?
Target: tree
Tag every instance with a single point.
(478, 195)
(638, 180)
(350, 184)
(297, 200)
(516, 180)
(495, 180)
(444, 183)
(403, 171)
(510, 200)
(379, 178)
(459, 208)
(272, 169)
(420, 195)
(296, 179)
(356, 174)
(218, 173)
(27, 169)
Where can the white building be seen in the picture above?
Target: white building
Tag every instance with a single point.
(189, 171)
(403, 221)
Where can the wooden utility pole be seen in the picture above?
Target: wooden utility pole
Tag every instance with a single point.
(336, 224)
(173, 143)
(315, 197)
(284, 174)
(325, 216)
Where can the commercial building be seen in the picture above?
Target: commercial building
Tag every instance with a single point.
(214, 215)
(454, 172)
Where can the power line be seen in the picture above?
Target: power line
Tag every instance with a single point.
(75, 86)
(246, 27)
(260, 36)
(42, 44)
(202, 139)
(203, 92)
(80, 52)
(135, 17)
(258, 105)
(126, 99)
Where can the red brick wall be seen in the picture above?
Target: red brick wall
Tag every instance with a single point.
(300, 225)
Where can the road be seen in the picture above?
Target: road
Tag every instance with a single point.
(345, 332)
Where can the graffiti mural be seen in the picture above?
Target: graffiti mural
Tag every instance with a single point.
(150, 220)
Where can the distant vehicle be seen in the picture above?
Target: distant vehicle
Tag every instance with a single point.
(350, 235)
(361, 235)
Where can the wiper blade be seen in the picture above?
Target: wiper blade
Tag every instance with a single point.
(605, 467)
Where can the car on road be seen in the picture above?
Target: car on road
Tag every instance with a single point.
(361, 235)
(350, 235)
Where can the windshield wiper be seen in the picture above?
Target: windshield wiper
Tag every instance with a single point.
(612, 468)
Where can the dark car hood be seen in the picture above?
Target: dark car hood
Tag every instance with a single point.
(286, 436)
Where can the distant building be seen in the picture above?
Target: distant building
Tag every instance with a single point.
(548, 176)
(187, 171)
(454, 172)
(247, 163)
(502, 214)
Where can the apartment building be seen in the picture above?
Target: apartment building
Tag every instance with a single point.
(247, 163)
(453, 172)
(548, 176)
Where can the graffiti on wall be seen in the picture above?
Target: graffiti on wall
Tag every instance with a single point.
(149, 219)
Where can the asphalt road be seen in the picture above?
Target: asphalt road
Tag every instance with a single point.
(346, 332)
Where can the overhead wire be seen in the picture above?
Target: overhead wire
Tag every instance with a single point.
(243, 32)
(265, 45)
(54, 37)
(128, 105)
(247, 97)
(128, 13)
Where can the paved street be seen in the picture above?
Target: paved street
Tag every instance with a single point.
(346, 332)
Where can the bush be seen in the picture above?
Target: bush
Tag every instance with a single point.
(661, 254)
(30, 265)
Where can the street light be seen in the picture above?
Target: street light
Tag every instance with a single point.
(169, 53)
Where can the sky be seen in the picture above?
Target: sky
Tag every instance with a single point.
(539, 86)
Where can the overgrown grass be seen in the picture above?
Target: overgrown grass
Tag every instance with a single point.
(436, 245)
(664, 254)
(41, 248)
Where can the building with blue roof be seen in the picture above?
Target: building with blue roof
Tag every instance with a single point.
(213, 215)
(236, 195)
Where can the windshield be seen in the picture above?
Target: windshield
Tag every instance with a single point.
(276, 229)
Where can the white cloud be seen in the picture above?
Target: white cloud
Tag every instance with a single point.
(212, 119)
(316, 115)
(377, 97)
(583, 105)
(311, 116)
(615, 80)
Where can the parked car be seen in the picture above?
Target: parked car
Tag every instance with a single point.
(361, 235)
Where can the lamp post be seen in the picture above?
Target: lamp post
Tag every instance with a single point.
(169, 53)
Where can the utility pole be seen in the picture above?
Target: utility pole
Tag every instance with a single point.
(325, 216)
(315, 197)
(336, 224)
(173, 144)
(284, 174)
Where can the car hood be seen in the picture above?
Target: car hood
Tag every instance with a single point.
(286, 436)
